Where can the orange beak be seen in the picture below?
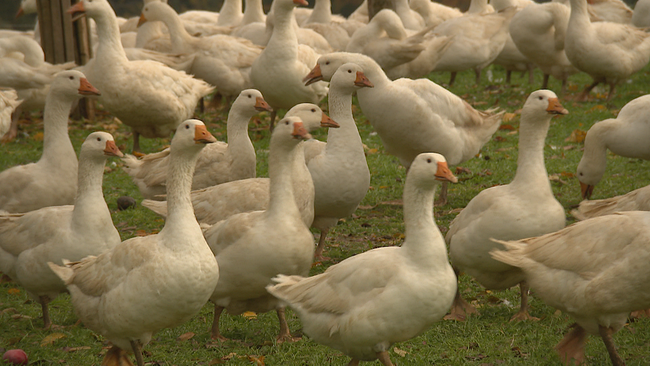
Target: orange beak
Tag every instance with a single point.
(301, 2)
(85, 88)
(20, 12)
(202, 136)
(261, 105)
(326, 121)
(313, 76)
(77, 11)
(142, 20)
(112, 150)
(362, 80)
(586, 190)
(300, 132)
(554, 107)
(443, 173)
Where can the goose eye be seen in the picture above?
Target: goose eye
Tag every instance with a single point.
(286, 123)
(540, 98)
(429, 160)
(327, 62)
(349, 71)
(99, 139)
(249, 96)
(187, 127)
(313, 110)
(71, 77)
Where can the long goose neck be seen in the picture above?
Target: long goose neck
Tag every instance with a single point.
(231, 9)
(423, 238)
(346, 137)
(375, 74)
(281, 200)
(89, 202)
(239, 143)
(57, 147)
(110, 43)
(254, 12)
(322, 12)
(180, 212)
(530, 163)
(284, 35)
(179, 37)
(579, 13)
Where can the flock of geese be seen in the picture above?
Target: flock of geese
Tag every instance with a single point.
(151, 72)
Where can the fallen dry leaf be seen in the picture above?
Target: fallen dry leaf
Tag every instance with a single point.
(259, 360)
(507, 127)
(74, 349)
(576, 136)
(13, 291)
(507, 117)
(51, 339)
(249, 315)
(400, 352)
(185, 336)
(38, 136)
(598, 107)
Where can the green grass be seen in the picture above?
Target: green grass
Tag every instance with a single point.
(486, 339)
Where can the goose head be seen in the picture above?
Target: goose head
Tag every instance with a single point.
(252, 101)
(154, 10)
(91, 8)
(72, 83)
(312, 116)
(192, 135)
(329, 63)
(100, 145)
(348, 78)
(543, 103)
(428, 169)
(290, 128)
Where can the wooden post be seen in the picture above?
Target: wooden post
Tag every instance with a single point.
(63, 41)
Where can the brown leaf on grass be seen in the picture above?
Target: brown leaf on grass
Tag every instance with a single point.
(507, 127)
(569, 147)
(13, 291)
(185, 336)
(393, 203)
(38, 136)
(507, 117)
(5, 279)
(567, 174)
(249, 315)
(577, 135)
(51, 339)
(259, 360)
(504, 149)
(461, 170)
(400, 352)
(499, 139)
(519, 353)
(9, 310)
(598, 107)
(216, 361)
(480, 356)
(556, 178)
(75, 349)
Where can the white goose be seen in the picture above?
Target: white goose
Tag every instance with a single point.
(637, 200)
(368, 302)
(478, 40)
(8, 103)
(523, 208)
(538, 31)
(51, 234)
(221, 60)
(433, 12)
(608, 52)
(151, 98)
(218, 163)
(49, 181)
(145, 284)
(616, 11)
(217, 203)
(625, 135)
(415, 116)
(594, 270)
(339, 168)
(253, 247)
(278, 71)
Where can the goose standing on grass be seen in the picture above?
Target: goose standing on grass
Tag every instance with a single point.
(217, 203)
(521, 209)
(221, 60)
(339, 168)
(539, 31)
(8, 103)
(218, 163)
(148, 96)
(51, 180)
(368, 302)
(278, 71)
(149, 283)
(51, 234)
(415, 116)
(253, 247)
(595, 270)
(608, 52)
(626, 135)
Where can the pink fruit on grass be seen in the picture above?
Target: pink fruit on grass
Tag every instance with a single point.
(15, 357)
